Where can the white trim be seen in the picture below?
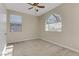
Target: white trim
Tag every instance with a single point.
(22, 40)
(61, 45)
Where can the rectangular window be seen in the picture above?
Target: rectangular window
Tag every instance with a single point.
(54, 27)
(15, 23)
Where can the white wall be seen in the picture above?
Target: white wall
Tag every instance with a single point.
(69, 36)
(29, 28)
(2, 28)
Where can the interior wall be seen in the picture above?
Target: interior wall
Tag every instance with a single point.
(29, 27)
(70, 31)
(2, 29)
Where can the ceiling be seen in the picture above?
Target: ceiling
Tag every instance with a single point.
(23, 7)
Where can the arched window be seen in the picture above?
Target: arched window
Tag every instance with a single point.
(53, 23)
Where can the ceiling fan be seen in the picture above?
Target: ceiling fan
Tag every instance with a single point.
(35, 6)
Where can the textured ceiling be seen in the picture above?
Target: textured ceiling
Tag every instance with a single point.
(23, 7)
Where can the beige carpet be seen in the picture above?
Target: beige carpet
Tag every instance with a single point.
(37, 47)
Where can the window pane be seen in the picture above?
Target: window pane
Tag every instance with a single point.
(15, 23)
(51, 19)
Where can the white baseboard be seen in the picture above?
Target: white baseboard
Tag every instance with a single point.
(61, 45)
(22, 40)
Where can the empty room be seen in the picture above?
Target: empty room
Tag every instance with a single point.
(39, 29)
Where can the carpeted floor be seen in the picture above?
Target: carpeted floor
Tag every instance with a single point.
(37, 47)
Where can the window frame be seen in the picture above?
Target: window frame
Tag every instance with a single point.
(10, 23)
(46, 20)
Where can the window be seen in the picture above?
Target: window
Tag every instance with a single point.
(53, 23)
(15, 23)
